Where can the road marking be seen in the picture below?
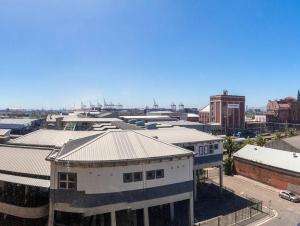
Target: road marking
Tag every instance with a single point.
(269, 219)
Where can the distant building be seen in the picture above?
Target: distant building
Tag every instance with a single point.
(277, 168)
(204, 114)
(20, 125)
(284, 111)
(229, 111)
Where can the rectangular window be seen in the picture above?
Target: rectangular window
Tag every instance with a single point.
(211, 149)
(127, 177)
(160, 174)
(138, 176)
(216, 146)
(206, 150)
(201, 150)
(67, 181)
(150, 175)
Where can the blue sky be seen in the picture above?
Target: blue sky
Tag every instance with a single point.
(57, 53)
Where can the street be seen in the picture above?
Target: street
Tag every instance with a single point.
(288, 212)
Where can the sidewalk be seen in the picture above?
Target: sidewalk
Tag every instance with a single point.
(258, 184)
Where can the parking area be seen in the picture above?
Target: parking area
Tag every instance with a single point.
(288, 212)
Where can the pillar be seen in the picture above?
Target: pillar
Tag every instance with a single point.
(221, 178)
(51, 214)
(146, 216)
(172, 212)
(113, 218)
(191, 212)
(195, 185)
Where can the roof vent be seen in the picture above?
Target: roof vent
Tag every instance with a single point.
(255, 148)
(295, 155)
(155, 137)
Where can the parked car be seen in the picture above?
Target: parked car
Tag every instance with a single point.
(288, 195)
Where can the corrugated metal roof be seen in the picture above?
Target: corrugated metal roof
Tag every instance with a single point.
(45, 137)
(75, 118)
(122, 146)
(271, 157)
(24, 160)
(5, 132)
(179, 135)
(206, 109)
(25, 180)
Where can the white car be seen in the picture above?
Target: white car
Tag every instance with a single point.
(288, 195)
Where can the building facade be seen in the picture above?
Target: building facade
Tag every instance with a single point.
(121, 179)
(277, 168)
(284, 111)
(228, 111)
(204, 115)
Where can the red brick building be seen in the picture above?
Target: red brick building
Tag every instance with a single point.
(277, 168)
(284, 111)
(228, 111)
(204, 115)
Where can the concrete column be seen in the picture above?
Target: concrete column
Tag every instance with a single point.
(102, 220)
(146, 217)
(195, 185)
(172, 211)
(113, 218)
(51, 214)
(191, 212)
(221, 178)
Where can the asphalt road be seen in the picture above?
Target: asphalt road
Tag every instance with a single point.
(288, 212)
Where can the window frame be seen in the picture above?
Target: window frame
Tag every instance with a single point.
(153, 173)
(67, 181)
(162, 175)
(137, 173)
(126, 181)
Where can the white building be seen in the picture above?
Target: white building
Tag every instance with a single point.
(121, 178)
(208, 149)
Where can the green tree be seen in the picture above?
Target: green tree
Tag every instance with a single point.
(292, 132)
(278, 136)
(260, 141)
(229, 146)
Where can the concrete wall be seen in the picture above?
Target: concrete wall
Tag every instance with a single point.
(277, 178)
(110, 179)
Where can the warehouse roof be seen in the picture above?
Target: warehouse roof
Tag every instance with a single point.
(120, 146)
(45, 137)
(270, 157)
(18, 121)
(5, 132)
(179, 135)
(206, 109)
(24, 160)
(146, 117)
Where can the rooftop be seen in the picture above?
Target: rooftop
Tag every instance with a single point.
(179, 135)
(270, 157)
(58, 138)
(120, 146)
(24, 160)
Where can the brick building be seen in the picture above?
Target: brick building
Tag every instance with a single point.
(204, 114)
(277, 168)
(228, 111)
(284, 111)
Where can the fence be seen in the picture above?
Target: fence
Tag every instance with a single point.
(235, 217)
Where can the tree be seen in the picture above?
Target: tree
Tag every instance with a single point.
(229, 146)
(292, 132)
(278, 136)
(260, 141)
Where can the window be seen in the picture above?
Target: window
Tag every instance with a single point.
(151, 175)
(206, 150)
(67, 181)
(137, 176)
(160, 174)
(127, 177)
(211, 149)
(216, 146)
(201, 152)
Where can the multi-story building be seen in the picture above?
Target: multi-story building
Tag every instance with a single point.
(284, 111)
(228, 111)
(107, 179)
(204, 114)
(121, 178)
